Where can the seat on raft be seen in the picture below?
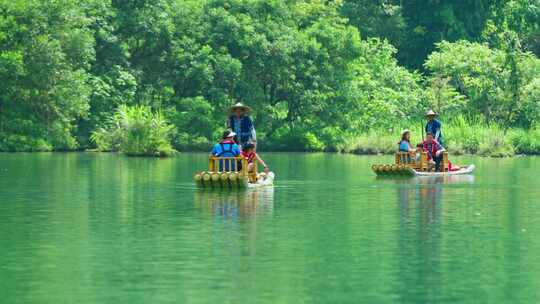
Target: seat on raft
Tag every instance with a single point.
(409, 159)
(230, 164)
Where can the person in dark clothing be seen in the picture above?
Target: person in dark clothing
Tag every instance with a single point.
(240, 123)
(433, 126)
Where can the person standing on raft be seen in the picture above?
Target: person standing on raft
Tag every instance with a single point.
(433, 126)
(240, 123)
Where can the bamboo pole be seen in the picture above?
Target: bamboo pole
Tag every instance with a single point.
(215, 179)
(206, 179)
(224, 179)
(233, 179)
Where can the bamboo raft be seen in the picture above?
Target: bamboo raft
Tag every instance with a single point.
(408, 164)
(231, 173)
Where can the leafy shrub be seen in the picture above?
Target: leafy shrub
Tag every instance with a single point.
(527, 141)
(136, 131)
(13, 143)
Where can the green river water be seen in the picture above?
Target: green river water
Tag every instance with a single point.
(103, 228)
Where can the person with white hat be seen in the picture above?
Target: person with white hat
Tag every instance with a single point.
(240, 123)
(433, 126)
(227, 147)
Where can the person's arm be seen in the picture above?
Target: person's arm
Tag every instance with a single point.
(259, 159)
(440, 150)
(253, 135)
(437, 130)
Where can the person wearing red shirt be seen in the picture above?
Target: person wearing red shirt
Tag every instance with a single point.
(434, 150)
(248, 153)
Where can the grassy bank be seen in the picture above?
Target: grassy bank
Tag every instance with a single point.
(460, 138)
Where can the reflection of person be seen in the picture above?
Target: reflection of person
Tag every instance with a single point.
(241, 124)
(230, 206)
(419, 238)
(405, 142)
(434, 150)
(433, 126)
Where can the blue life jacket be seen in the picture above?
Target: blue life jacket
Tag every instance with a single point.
(226, 150)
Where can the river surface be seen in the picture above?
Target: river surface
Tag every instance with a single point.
(103, 228)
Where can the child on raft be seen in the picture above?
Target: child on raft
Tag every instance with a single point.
(419, 151)
(248, 153)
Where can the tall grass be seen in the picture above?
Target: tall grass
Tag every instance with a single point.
(477, 137)
(373, 142)
(136, 131)
(527, 141)
(462, 136)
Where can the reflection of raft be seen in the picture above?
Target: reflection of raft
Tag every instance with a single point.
(231, 173)
(407, 164)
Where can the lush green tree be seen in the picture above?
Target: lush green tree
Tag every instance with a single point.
(67, 67)
(384, 90)
(376, 19)
(45, 51)
(492, 80)
(431, 21)
(521, 17)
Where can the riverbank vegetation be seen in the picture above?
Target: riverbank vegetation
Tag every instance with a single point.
(148, 77)
(135, 131)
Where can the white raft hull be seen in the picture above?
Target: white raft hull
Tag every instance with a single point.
(264, 181)
(463, 171)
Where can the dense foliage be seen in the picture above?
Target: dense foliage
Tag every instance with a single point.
(320, 75)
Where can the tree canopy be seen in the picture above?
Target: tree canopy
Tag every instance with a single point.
(317, 73)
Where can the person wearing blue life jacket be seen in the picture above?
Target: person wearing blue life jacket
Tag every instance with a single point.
(240, 123)
(227, 147)
(433, 126)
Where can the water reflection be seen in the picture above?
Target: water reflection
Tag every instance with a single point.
(421, 235)
(234, 205)
(235, 226)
